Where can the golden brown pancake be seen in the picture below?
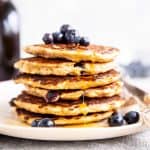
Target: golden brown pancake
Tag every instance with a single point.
(67, 108)
(42, 66)
(68, 82)
(29, 117)
(103, 91)
(93, 53)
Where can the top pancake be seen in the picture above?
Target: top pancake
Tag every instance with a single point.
(93, 53)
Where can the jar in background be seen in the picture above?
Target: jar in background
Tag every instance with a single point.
(9, 39)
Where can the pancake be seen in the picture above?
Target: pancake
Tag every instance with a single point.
(68, 82)
(103, 123)
(42, 66)
(93, 53)
(67, 108)
(28, 117)
(103, 91)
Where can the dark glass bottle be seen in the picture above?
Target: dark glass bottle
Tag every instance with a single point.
(9, 39)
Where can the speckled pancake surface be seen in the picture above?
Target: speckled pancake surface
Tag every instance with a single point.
(93, 53)
(68, 82)
(103, 91)
(29, 117)
(42, 66)
(67, 108)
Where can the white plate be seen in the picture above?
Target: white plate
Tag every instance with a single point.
(9, 125)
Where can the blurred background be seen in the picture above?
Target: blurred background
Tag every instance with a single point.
(124, 24)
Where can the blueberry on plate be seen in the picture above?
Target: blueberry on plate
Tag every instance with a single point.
(84, 41)
(34, 123)
(48, 38)
(132, 117)
(58, 37)
(64, 28)
(116, 120)
(45, 122)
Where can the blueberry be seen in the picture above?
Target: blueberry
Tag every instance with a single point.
(71, 36)
(47, 38)
(132, 117)
(116, 119)
(45, 122)
(73, 32)
(52, 96)
(77, 39)
(58, 37)
(64, 28)
(69, 39)
(84, 41)
(34, 123)
(79, 64)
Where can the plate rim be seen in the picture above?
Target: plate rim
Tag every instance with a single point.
(4, 129)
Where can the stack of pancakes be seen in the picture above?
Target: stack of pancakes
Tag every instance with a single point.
(68, 84)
